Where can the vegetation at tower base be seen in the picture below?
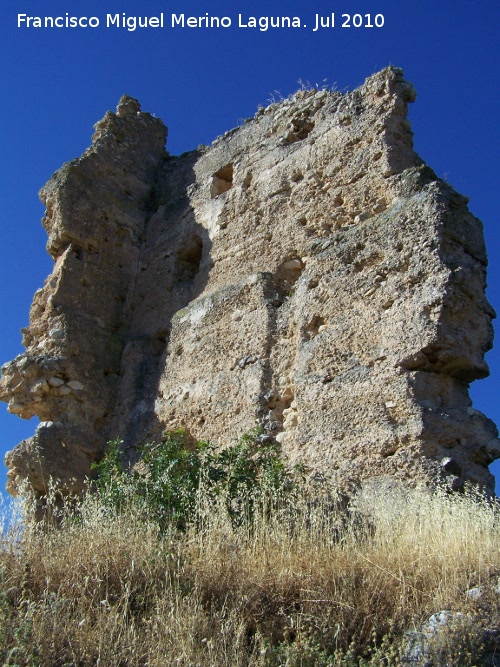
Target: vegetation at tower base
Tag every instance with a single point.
(165, 485)
(288, 575)
(307, 272)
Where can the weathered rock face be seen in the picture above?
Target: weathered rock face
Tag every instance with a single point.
(307, 272)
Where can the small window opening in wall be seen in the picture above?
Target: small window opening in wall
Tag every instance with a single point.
(222, 181)
(189, 259)
(78, 253)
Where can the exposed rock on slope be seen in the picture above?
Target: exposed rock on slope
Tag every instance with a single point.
(307, 272)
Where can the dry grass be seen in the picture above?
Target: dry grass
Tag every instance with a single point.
(305, 584)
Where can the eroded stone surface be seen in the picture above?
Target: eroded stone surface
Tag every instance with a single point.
(307, 272)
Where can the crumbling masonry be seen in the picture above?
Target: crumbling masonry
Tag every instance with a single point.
(307, 273)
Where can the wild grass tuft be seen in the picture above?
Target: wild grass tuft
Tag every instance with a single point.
(250, 569)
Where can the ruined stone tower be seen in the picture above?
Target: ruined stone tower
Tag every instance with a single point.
(307, 273)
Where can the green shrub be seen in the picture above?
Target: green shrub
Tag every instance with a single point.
(171, 476)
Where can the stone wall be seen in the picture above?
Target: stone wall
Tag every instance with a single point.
(307, 273)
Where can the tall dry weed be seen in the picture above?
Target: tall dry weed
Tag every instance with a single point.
(304, 582)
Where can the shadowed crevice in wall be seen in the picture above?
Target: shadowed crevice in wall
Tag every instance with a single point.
(173, 270)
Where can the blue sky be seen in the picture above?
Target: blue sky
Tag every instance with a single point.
(57, 83)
